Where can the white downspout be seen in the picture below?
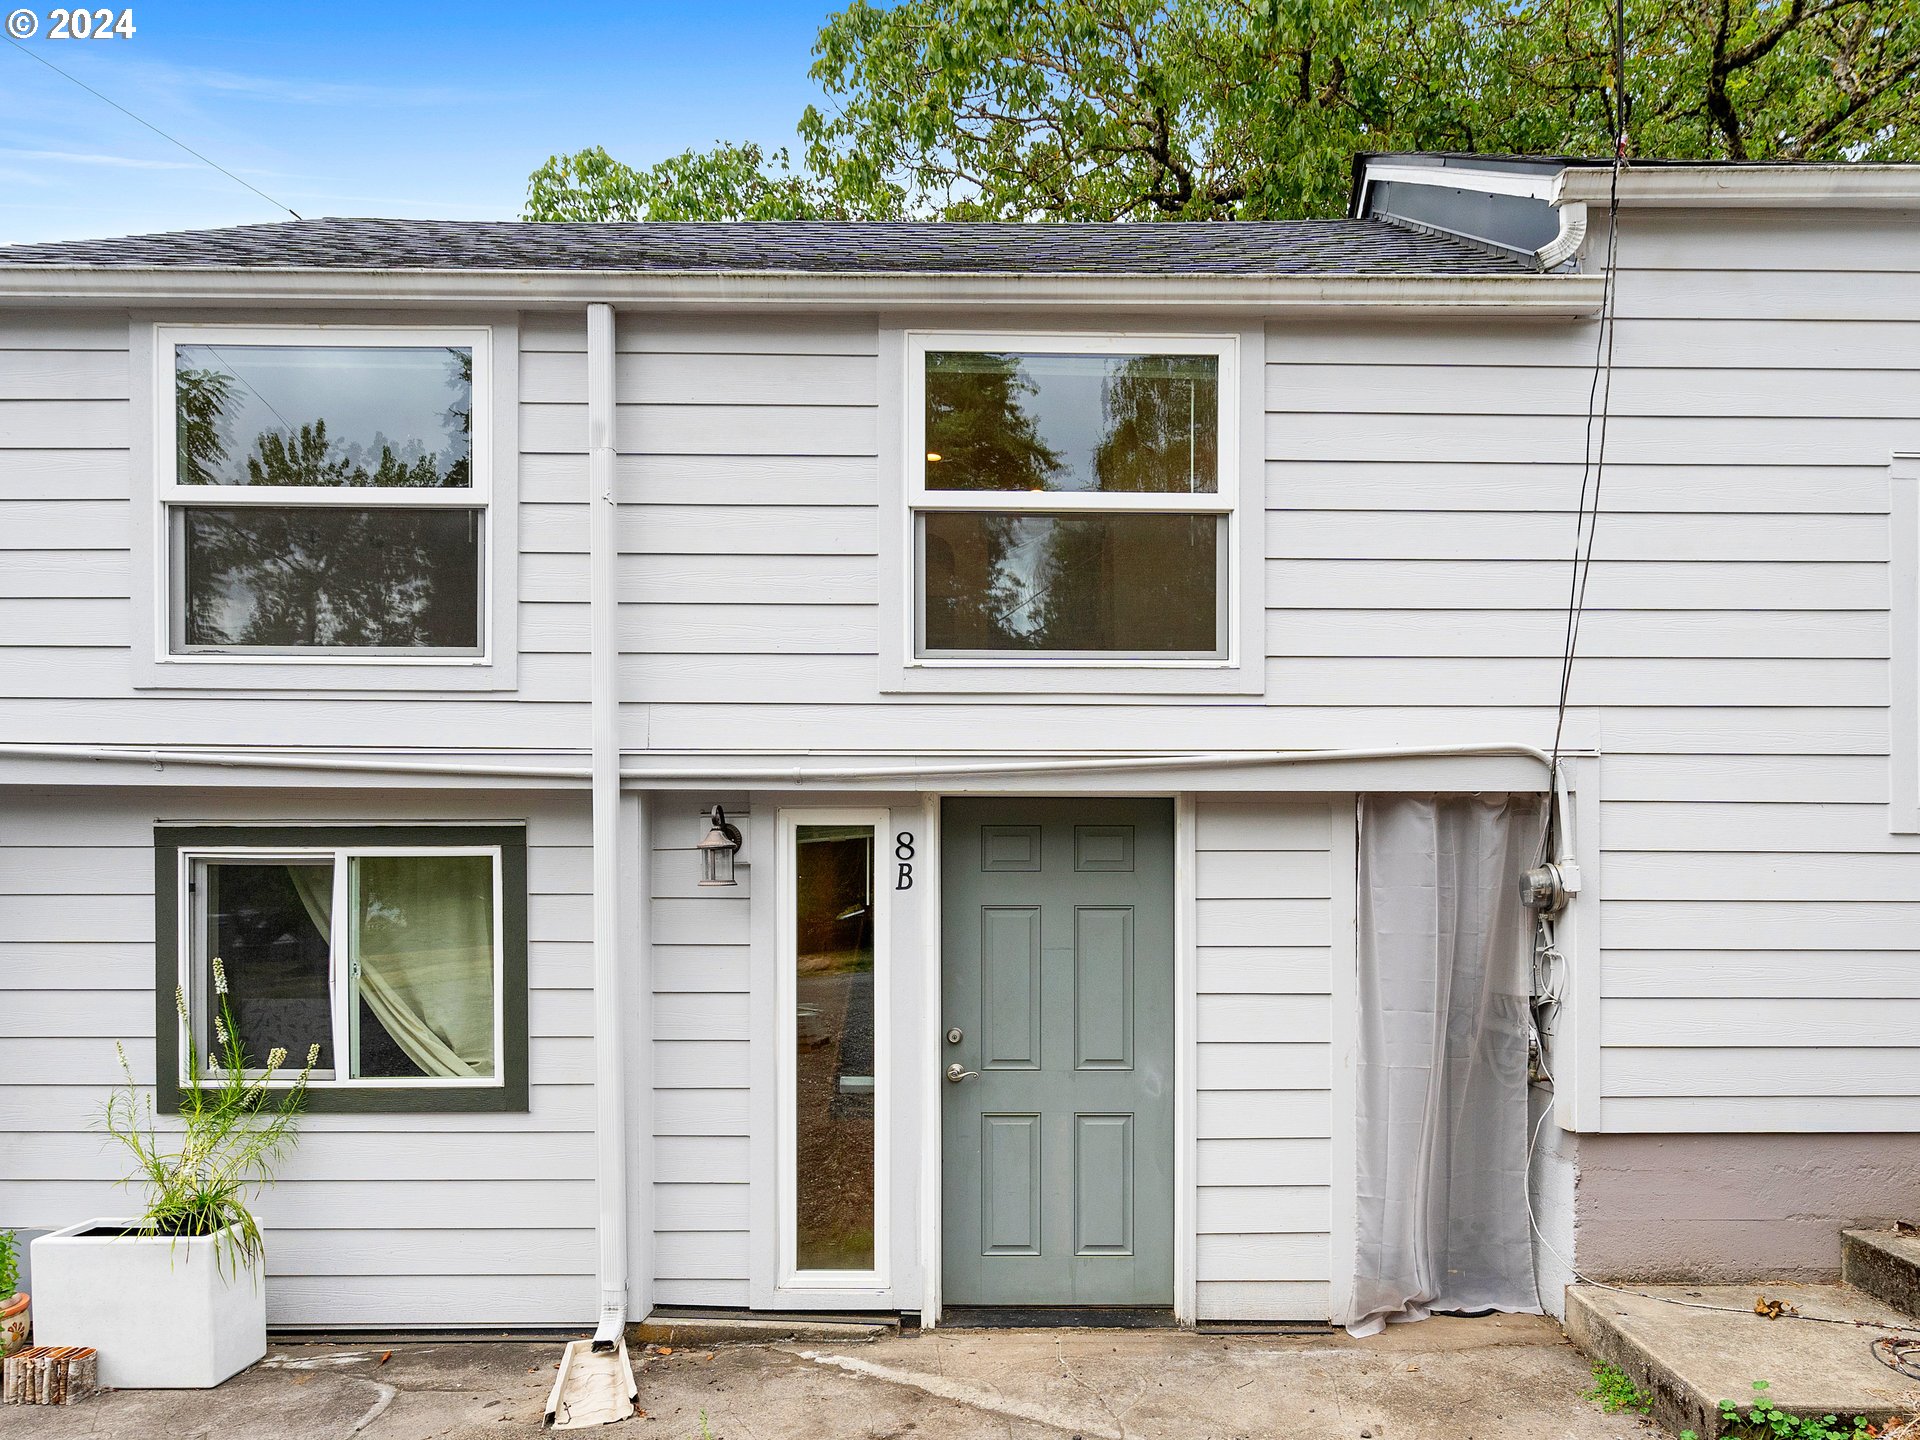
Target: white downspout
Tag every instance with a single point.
(1572, 235)
(609, 1069)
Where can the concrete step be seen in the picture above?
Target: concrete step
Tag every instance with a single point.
(1885, 1264)
(721, 1327)
(1690, 1359)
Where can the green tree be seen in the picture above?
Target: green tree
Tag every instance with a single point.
(200, 424)
(1251, 109)
(728, 182)
(979, 427)
(1160, 435)
(308, 457)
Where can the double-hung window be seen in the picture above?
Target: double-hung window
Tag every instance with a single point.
(399, 952)
(1071, 499)
(324, 493)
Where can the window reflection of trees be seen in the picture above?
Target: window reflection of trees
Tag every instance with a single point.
(329, 576)
(332, 576)
(1162, 432)
(1037, 582)
(301, 451)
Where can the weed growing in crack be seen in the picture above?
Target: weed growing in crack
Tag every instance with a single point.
(1613, 1391)
(1763, 1420)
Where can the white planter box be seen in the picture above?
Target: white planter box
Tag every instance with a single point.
(164, 1314)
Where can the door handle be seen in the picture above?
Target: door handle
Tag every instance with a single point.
(955, 1074)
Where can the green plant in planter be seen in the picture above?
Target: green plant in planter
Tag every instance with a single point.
(9, 1265)
(236, 1127)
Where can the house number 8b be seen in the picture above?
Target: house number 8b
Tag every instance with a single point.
(903, 857)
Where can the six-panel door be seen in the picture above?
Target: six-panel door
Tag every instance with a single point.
(1057, 972)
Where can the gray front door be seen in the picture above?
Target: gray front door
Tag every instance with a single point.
(1057, 971)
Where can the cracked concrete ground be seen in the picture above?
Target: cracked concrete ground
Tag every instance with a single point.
(1441, 1380)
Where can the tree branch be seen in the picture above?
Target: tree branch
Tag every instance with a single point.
(1859, 101)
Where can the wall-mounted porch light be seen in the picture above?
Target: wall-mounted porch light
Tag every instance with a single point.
(717, 849)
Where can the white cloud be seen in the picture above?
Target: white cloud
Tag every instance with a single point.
(291, 90)
(124, 162)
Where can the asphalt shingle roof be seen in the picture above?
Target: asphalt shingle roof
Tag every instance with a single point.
(1292, 247)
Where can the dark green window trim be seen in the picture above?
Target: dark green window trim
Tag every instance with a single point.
(508, 1097)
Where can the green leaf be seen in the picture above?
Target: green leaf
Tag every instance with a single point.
(1252, 109)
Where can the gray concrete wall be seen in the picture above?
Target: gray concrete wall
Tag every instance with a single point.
(1552, 1174)
(1735, 1207)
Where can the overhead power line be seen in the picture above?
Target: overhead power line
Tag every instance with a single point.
(1593, 460)
(171, 140)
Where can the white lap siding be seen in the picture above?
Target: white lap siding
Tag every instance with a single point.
(1264, 930)
(383, 1220)
(702, 1076)
(70, 522)
(1758, 921)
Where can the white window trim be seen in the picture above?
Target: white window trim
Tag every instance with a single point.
(1239, 497)
(789, 1278)
(1903, 712)
(339, 942)
(494, 493)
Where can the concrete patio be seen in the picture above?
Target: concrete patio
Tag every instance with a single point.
(1444, 1379)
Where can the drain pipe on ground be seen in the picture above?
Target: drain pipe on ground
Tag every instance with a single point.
(610, 1129)
(594, 1382)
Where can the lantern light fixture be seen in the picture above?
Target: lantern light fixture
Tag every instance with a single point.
(717, 849)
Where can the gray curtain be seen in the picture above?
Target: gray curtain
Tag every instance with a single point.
(1443, 989)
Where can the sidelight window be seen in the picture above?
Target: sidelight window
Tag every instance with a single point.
(833, 1046)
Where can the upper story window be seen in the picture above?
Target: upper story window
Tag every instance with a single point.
(325, 493)
(1071, 497)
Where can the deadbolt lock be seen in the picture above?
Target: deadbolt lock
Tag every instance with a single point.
(954, 1036)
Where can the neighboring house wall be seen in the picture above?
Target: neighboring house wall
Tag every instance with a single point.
(424, 1219)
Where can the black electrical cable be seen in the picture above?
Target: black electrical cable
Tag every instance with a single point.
(1900, 1356)
(1593, 454)
(1599, 396)
(279, 205)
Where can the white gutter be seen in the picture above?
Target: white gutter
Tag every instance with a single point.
(610, 1088)
(1529, 184)
(1570, 296)
(1827, 187)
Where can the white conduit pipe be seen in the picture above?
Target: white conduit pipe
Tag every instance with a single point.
(610, 1090)
(800, 777)
(323, 764)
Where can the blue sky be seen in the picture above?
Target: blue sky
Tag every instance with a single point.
(349, 108)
